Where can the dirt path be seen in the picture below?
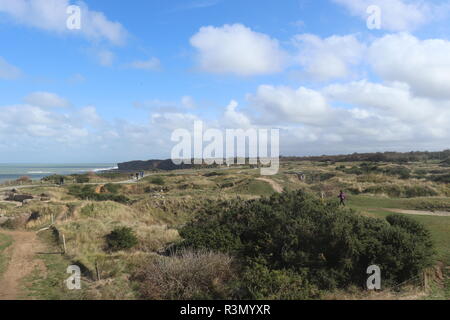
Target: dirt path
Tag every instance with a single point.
(17, 204)
(422, 213)
(23, 261)
(275, 185)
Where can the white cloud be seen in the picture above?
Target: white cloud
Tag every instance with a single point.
(423, 64)
(284, 104)
(46, 100)
(152, 64)
(396, 15)
(395, 101)
(235, 119)
(329, 58)
(238, 50)
(8, 71)
(51, 15)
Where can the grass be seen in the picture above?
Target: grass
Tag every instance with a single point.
(5, 242)
(49, 284)
(163, 202)
(254, 187)
(439, 228)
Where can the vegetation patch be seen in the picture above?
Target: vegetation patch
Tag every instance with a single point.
(5, 242)
(122, 238)
(87, 192)
(319, 244)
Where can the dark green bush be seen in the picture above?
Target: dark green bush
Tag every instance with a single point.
(444, 178)
(82, 178)
(259, 282)
(401, 171)
(87, 192)
(327, 246)
(158, 180)
(113, 188)
(214, 174)
(121, 238)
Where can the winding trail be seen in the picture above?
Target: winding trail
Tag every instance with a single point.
(23, 261)
(421, 213)
(275, 185)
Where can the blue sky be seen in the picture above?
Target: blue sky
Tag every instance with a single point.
(115, 89)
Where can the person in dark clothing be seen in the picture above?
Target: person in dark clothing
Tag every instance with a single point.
(342, 198)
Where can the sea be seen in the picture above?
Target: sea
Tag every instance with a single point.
(11, 172)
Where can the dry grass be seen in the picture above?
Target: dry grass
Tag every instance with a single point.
(187, 275)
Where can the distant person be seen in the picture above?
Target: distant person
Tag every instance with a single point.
(342, 198)
(137, 175)
(61, 181)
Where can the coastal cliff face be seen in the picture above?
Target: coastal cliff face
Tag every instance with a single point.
(152, 165)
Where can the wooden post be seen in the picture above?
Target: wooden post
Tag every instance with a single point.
(425, 280)
(97, 270)
(64, 244)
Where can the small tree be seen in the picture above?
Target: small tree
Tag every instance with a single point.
(121, 238)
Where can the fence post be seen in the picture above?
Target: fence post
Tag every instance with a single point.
(425, 280)
(97, 270)
(64, 243)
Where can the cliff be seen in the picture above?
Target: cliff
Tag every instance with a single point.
(152, 165)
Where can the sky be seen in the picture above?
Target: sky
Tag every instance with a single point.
(333, 76)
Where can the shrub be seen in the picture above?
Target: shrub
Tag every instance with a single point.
(401, 171)
(188, 275)
(121, 239)
(113, 188)
(83, 178)
(325, 245)
(87, 192)
(444, 178)
(158, 180)
(56, 178)
(259, 282)
(214, 174)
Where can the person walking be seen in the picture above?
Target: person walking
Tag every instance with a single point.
(342, 198)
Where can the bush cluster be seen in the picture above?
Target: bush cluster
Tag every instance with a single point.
(298, 244)
(87, 192)
(121, 238)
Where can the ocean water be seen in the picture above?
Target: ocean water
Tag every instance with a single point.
(9, 172)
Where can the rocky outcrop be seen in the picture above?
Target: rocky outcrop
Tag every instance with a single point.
(19, 197)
